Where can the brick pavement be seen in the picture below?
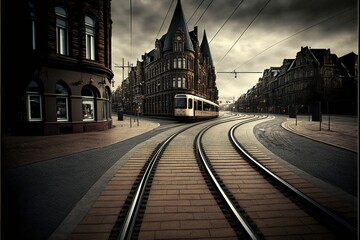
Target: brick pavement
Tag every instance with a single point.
(25, 150)
(22, 150)
(343, 130)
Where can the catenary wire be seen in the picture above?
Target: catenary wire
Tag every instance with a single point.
(294, 34)
(203, 12)
(162, 24)
(245, 30)
(227, 20)
(195, 11)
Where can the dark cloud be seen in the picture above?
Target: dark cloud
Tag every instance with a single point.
(278, 21)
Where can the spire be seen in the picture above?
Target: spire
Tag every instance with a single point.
(205, 50)
(178, 23)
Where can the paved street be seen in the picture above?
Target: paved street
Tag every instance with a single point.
(41, 194)
(334, 165)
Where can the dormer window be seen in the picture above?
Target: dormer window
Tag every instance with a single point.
(179, 42)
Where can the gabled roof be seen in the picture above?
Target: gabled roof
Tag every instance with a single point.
(178, 22)
(205, 50)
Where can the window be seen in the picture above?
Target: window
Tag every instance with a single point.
(107, 105)
(90, 37)
(179, 63)
(179, 83)
(34, 102)
(180, 103)
(190, 103)
(61, 31)
(88, 104)
(62, 106)
(199, 105)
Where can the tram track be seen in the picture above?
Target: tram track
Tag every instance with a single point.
(127, 226)
(341, 225)
(195, 187)
(246, 185)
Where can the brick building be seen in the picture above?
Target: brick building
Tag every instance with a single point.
(178, 64)
(314, 76)
(56, 73)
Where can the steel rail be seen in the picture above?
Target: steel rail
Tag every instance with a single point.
(249, 230)
(290, 187)
(128, 225)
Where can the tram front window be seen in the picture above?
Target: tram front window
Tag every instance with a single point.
(180, 103)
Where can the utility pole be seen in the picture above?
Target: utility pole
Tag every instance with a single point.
(123, 66)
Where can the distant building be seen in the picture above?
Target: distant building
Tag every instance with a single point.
(178, 64)
(57, 68)
(314, 76)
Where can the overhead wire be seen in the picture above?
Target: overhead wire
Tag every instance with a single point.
(203, 12)
(162, 24)
(226, 20)
(296, 33)
(195, 11)
(245, 30)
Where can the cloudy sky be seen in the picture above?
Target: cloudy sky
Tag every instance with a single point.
(258, 35)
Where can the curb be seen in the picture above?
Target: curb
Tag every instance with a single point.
(286, 126)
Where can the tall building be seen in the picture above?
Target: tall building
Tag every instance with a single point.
(314, 76)
(178, 64)
(56, 73)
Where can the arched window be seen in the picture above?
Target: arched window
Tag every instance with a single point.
(107, 104)
(33, 102)
(88, 109)
(62, 42)
(62, 104)
(90, 37)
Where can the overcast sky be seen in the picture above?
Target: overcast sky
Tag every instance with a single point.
(259, 34)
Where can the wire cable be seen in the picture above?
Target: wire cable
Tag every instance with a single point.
(195, 11)
(294, 34)
(245, 30)
(162, 24)
(204, 12)
(227, 20)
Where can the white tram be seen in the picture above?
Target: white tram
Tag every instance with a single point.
(190, 107)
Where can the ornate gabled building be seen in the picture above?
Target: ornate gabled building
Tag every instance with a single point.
(56, 74)
(315, 76)
(178, 64)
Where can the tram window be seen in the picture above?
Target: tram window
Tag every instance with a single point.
(207, 106)
(190, 103)
(180, 103)
(199, 105)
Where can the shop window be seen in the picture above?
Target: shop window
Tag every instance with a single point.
(88, 109)
(33, 102)
(62, 105)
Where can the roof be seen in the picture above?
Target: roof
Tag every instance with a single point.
(205, 50)
(178, 22)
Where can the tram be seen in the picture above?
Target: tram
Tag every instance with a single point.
(190, 107)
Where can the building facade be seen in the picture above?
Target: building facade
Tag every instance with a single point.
(314, 76)
(178, 64)
(57, 69)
